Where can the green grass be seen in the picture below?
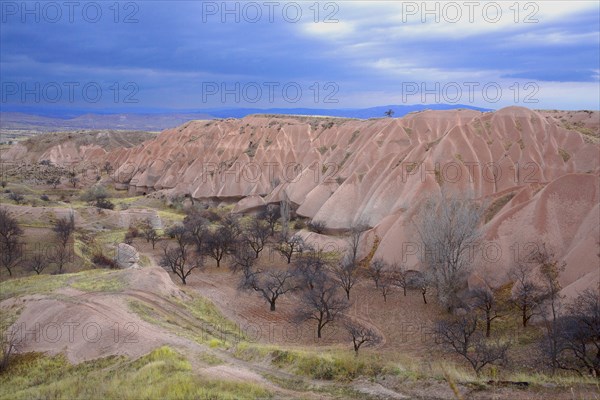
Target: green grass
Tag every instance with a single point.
(207, 324)
(497, 205)
(35, 284)
(327, 364)
(89, 281)
(170, 216)
(99, 281)
(163, 374)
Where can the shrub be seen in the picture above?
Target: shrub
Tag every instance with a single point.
(17, 198)
(316, 226)
(299, 224)
(105, 204)
(101, 260)
(44, 198)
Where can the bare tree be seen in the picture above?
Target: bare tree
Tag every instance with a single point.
(149, 233)
(16, 197)
(231, 224)
(107, 168)
(243, 260)
(270, 283)
(10, 241)
(256, 235)
(10, 343)
(462, 336)
(63, 230)
(73, 179)
(359, 334)
(322, 303)
(310, 265)
(198, 228)
(448, 228)
(219, 243)
(356, 233)
(580, 334)
(400, 276)
(54, 181)
(180, 260)
(527, 294)
(385, 284)
(484, 300)
(271, 215)
(37, 263)
(420, 281)
(289, 245)
(316, 226)
(345, 272)
(550, 268)
(375, 270)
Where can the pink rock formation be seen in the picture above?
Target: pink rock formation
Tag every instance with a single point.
(542, 176)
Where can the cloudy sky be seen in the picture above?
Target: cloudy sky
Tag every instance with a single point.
(192, 55)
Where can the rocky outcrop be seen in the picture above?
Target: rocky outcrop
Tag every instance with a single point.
(127, 256)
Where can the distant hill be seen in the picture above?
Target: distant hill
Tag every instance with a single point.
(55, 121)
(361, 113)
(17, 121)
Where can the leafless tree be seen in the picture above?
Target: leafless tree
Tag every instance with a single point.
(219, 243)
(271, 283)
(243, 260)
(289, 245)
(346, 273)
(400, 276)
(579, 332)
(316, 226)
(107, 168)
(256, 235)
(356, 233)
(375, 270)
(310, 265)
(10, 241)
(484, 300)
(179, 233)
(422, 282)
(63, 230)
(37, 263)
(360, 334)
(448, 228)
(231, 224)
(323, 303)
(16, 197)
(181, 260)
(73, 179)
(550, 269)
(527, 294)
(198, 228)
(10, 343)
(149, 233)
(55, 181)
(462, 336)
(385, 284)
(271, 215)
(61, 256)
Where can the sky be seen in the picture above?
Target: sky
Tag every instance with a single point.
(141, 56)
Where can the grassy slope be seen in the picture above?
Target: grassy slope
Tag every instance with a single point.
(163, 373)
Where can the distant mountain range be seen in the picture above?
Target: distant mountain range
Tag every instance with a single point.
(61, 120)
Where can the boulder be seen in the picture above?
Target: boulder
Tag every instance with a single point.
(127, 256)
